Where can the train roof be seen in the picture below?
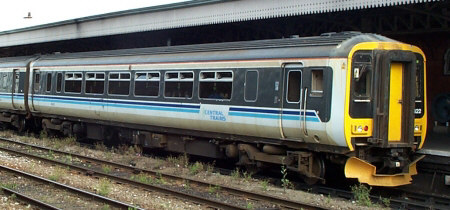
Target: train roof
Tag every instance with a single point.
(325, 45)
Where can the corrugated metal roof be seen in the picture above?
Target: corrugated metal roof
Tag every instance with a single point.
(185, 14)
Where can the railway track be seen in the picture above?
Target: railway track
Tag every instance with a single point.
(122, 174)
(82, 193)
(27, 199)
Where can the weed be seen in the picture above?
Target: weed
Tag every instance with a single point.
(104, 187)
(134, 150)
(100, 146)
(328, 200)
(106, 169)
(43, 134)
(236, 174)
(265, 184)
(362, 194)
(247, 176)
(210, 167)
(213, 189)
(13, 196)
(69, 141)
(187, 184)
(386, 201)
(122, 149)
(143, 178)
(56, 174)
(249, 206)
(50, 154)
(10, 186)
(284, 181)
(180, 161)
(108, 155)
(160, 179)
(29, 149)
(106, 207)
(195, 168)
(68, 159)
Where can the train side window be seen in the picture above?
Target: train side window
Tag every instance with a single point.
(294, 84)
(49, 82)
(37, 80)
(95, 83)
(178, 84)
(59, 82)
(5, 82)
(251, 85)
(317, 83)
(119, 84)
(147, 84)
(216, 84)
(72, 82)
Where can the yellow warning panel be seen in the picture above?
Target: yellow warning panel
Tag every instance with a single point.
(366, 173)
(395, 102)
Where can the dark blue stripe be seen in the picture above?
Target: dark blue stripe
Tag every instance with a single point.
(270, 111)
(123, 102)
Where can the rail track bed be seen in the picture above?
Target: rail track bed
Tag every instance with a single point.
(48, 194)
(207, 194)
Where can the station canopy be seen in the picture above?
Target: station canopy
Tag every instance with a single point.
(180, 15)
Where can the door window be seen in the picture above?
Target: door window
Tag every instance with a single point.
(294, 84)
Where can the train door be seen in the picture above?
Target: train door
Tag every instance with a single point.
(17, 89)
(307, 102)
(395, 102)
(395, 82)
(291, 123)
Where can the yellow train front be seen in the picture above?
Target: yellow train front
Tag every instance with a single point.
(385, 112)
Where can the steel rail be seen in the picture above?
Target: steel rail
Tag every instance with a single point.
(99, 198)
(274, 200)
(179, 194)
(29, 200)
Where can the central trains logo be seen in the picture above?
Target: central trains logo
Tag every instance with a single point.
(214, 112)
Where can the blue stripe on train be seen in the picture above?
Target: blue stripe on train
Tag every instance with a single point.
(253, 110)
(268, 116)
(234, 111)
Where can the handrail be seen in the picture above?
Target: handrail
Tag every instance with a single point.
(305, 131)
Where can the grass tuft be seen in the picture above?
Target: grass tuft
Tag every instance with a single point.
(361, 194)
(104, 187)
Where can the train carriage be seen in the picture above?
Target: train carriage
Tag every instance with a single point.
(350, 98)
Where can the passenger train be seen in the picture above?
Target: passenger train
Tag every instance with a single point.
(350, 98)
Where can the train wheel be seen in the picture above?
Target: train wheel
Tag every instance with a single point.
(22, 125)
(318, 169)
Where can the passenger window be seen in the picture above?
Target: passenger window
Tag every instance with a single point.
(179, 84)
(251, 85)
(59, 82)
(37, 80)
(294, 84)
(95, 83)
(146, 84)
(49, 82)
(317, 83)
(216, 85)
(72, 82)
(6, 82)
(119, 83)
